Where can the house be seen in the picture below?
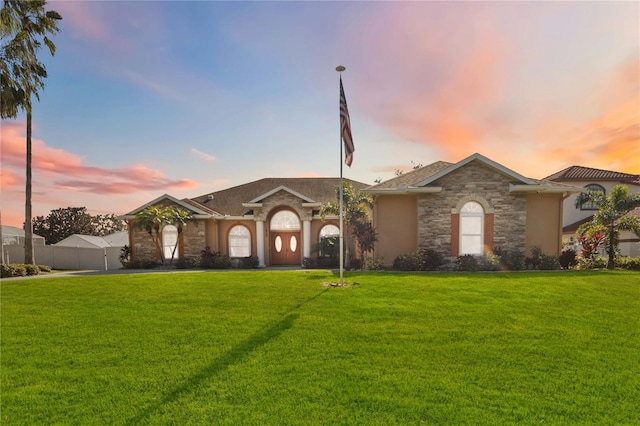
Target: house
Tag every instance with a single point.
(117, 239)
(594, 180)
(473, 206)
(12, 235)
(275, 219)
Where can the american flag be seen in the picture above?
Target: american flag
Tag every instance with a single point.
(345, 127)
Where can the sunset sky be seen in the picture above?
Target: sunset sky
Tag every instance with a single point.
(187, 98)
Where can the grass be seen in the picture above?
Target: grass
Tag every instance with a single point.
(278, 347)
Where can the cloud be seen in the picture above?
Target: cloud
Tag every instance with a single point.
(202, 155)
(68, 171)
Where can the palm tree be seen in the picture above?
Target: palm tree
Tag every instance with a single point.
(154, 218)
(611, 217)
(356, 207)
(24, 24)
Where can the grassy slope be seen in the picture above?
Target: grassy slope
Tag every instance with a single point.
(278, 347)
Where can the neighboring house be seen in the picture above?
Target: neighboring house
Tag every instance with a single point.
(274, 219)
(12, 235)
(86, 241)
(474, 206)
(470, 207)
(596, 180)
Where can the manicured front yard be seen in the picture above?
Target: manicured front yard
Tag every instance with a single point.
(279, 347)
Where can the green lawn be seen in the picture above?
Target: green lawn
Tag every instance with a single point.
(278, 347)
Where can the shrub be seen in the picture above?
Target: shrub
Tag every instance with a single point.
(31, 269)
(310, 263)
(631, 263)
(567, 258)
(374, 264)
(125, 254)
(13, 270)
(214, 259)
(490, 262)
(540, 260)
(511, 260)
(404, 262)
(250, 262)
(427, 259)
(141, 264)
(355, 263)
(467, 263)
(44, 268)
(592, 262)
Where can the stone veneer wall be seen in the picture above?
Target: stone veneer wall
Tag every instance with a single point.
(474, 180)
(282, 198)
(193, 239)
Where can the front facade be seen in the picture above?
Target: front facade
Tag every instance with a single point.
(274, 219)
(475, 206)
(595, 180)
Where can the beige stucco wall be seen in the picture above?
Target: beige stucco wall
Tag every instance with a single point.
(544, 223)
(396, 221)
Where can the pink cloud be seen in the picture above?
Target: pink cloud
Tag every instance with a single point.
(68, 171)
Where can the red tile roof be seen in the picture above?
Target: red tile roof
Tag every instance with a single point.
(579, 173)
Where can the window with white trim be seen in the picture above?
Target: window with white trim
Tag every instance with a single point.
(471, 228)
(329, 235)
(169, 241)
(285, 220)
(239, 241)
(589, 205)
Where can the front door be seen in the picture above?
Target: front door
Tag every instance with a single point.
(285, 248)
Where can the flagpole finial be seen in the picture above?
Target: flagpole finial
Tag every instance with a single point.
(340, 68)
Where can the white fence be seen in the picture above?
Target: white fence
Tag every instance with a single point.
(57, 257)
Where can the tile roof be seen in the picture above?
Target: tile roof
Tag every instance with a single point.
(413, 177)
(229, 201)
(579, 173)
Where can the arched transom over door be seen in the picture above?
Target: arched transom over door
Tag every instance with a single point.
(285, 238)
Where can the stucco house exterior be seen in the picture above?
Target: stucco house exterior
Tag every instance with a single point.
(275, 219)
(474, 206)
(597, 180)
(470, 207)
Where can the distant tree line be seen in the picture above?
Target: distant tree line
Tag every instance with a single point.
(64, 222)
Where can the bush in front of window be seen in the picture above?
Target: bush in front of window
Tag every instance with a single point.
(213, 259)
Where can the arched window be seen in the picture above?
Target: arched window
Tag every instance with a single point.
(170, 241)
(471, 228)
(239, 241)
(329, 231)
(285, 220)
(592, 187)
(329, 240)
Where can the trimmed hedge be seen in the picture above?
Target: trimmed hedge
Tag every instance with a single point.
(22, 270)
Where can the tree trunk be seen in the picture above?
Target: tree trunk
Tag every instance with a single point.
(1, 242)
(611, 248)
(28, 225)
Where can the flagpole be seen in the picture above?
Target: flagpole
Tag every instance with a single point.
(340, 68)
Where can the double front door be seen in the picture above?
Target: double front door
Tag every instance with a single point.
(285, 248)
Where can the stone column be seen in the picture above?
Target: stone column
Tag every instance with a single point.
(306, 230)
(260, 242)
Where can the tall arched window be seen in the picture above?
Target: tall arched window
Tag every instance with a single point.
(329, 240)
(285, 220)
(170, 241)
(471, 228)
(239, 241)
(592, 187)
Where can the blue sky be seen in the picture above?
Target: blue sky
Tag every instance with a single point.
(149, 97)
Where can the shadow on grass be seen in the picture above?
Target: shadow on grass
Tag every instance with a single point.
(233, 356)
